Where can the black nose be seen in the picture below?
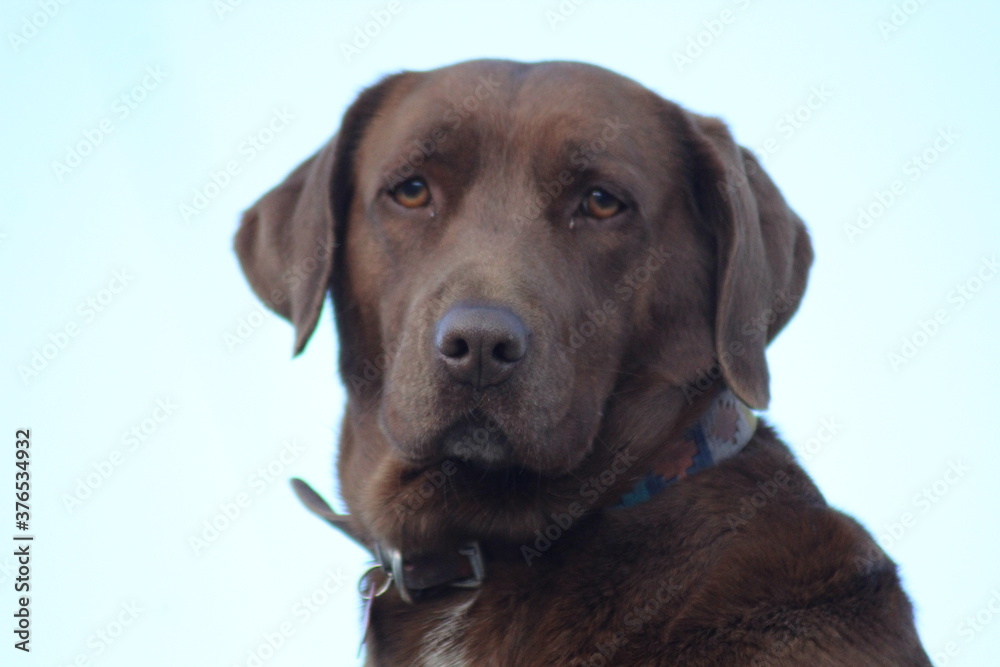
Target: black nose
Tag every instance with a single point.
(481, 345)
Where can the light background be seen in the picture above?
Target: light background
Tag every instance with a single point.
(898, 431)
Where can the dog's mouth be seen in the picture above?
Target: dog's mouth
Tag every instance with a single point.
(477, 442)
(488, 435)
(474, 479)
(473, 447)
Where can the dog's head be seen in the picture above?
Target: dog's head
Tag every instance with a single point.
(534, 268)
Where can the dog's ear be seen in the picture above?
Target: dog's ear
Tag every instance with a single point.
(285, 243)
(286, 240)
(763, 251)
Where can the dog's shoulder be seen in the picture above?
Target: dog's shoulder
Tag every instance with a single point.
(775, 575)
(744, 563)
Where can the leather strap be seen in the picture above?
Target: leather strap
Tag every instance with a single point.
(413, 575)
(315, 504)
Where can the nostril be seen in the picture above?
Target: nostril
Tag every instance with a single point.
(500, 352)
(454, 347)
(509, 352)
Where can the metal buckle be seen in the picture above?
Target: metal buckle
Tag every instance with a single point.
(472, 551)
(391, 562)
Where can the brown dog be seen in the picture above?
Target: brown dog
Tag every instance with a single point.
(553, 291)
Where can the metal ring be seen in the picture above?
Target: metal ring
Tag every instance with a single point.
(371, 592)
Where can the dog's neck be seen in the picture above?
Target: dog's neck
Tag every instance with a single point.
(721, 431)
(724, 425)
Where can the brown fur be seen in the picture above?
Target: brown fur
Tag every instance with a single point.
(742, 563)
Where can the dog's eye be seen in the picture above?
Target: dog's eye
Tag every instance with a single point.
(411, 193)
(600, 205)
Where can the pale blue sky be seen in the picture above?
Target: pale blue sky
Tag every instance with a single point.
(138, 300)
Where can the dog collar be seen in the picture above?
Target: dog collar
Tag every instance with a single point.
(413, 576)
(722, 432)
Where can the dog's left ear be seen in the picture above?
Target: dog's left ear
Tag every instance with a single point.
(286, 240)
(763, 253)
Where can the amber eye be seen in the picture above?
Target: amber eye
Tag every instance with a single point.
(412, 193)
(601, 205)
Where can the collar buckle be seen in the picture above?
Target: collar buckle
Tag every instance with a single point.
(402, 573)
(474, 553)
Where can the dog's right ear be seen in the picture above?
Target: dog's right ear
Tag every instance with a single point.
(285, 243)
(286, 240)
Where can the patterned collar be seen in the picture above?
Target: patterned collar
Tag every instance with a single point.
(723, 430)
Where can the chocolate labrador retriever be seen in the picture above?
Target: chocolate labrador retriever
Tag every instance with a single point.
(553, 292)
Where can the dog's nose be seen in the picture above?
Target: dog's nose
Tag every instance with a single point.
(481, 345)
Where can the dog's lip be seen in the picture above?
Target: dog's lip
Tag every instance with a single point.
(423, 460)
(477, 433)
(472, 471)
(474, 440)
(417, 466)
(471, 438)
(466, 447)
